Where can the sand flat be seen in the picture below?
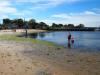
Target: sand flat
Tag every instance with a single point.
(23, 59)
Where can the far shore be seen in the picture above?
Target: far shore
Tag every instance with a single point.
(19, 31)
(22, 30)
(21, 56)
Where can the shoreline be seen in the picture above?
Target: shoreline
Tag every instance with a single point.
(20, 31)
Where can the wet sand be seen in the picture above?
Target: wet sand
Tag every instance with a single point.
(39, 59)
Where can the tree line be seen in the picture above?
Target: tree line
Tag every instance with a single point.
(32, 24)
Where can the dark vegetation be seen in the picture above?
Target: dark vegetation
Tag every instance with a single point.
(32, 24)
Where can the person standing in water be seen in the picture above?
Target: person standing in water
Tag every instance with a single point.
(69, 37)
(69, 40)
(72, 40)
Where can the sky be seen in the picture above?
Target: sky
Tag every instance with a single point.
(86, 12)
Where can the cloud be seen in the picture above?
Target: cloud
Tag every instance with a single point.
(63, 15)
(55, 2)
(10, 7)
(4, 3)
(96, 10)
(6, 7)
(85, 13)
(3, 16)
(74, 15)
(9, 10)
(88, 18)
(43, 3)
(35, 1)
(89, 13)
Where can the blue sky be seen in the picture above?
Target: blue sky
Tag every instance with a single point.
(49, 11)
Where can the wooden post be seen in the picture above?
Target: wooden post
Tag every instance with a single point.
(25, 28)
(26, 33)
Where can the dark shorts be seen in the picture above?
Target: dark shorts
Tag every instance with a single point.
(72, 41)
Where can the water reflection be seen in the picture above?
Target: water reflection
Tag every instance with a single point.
(69, 45)
(41, 35)
(36, 35)
(33, 35)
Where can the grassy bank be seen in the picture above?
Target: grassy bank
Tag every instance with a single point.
(23, 39)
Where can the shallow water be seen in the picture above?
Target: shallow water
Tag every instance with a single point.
(84, 40)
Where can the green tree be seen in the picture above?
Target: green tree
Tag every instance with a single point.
(20, 23)
(14, 21)
(80, 26)
(70, 25)
(54, 26)
(65, 26)
(42, 25)
(60, 26)
(6, 23)
(32, 24)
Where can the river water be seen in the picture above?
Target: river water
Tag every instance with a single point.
(82, 39)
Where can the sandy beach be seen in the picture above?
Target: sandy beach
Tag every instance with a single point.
(27, 58)
(39, 59)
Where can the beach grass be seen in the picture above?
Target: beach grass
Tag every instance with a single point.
(23, 39)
